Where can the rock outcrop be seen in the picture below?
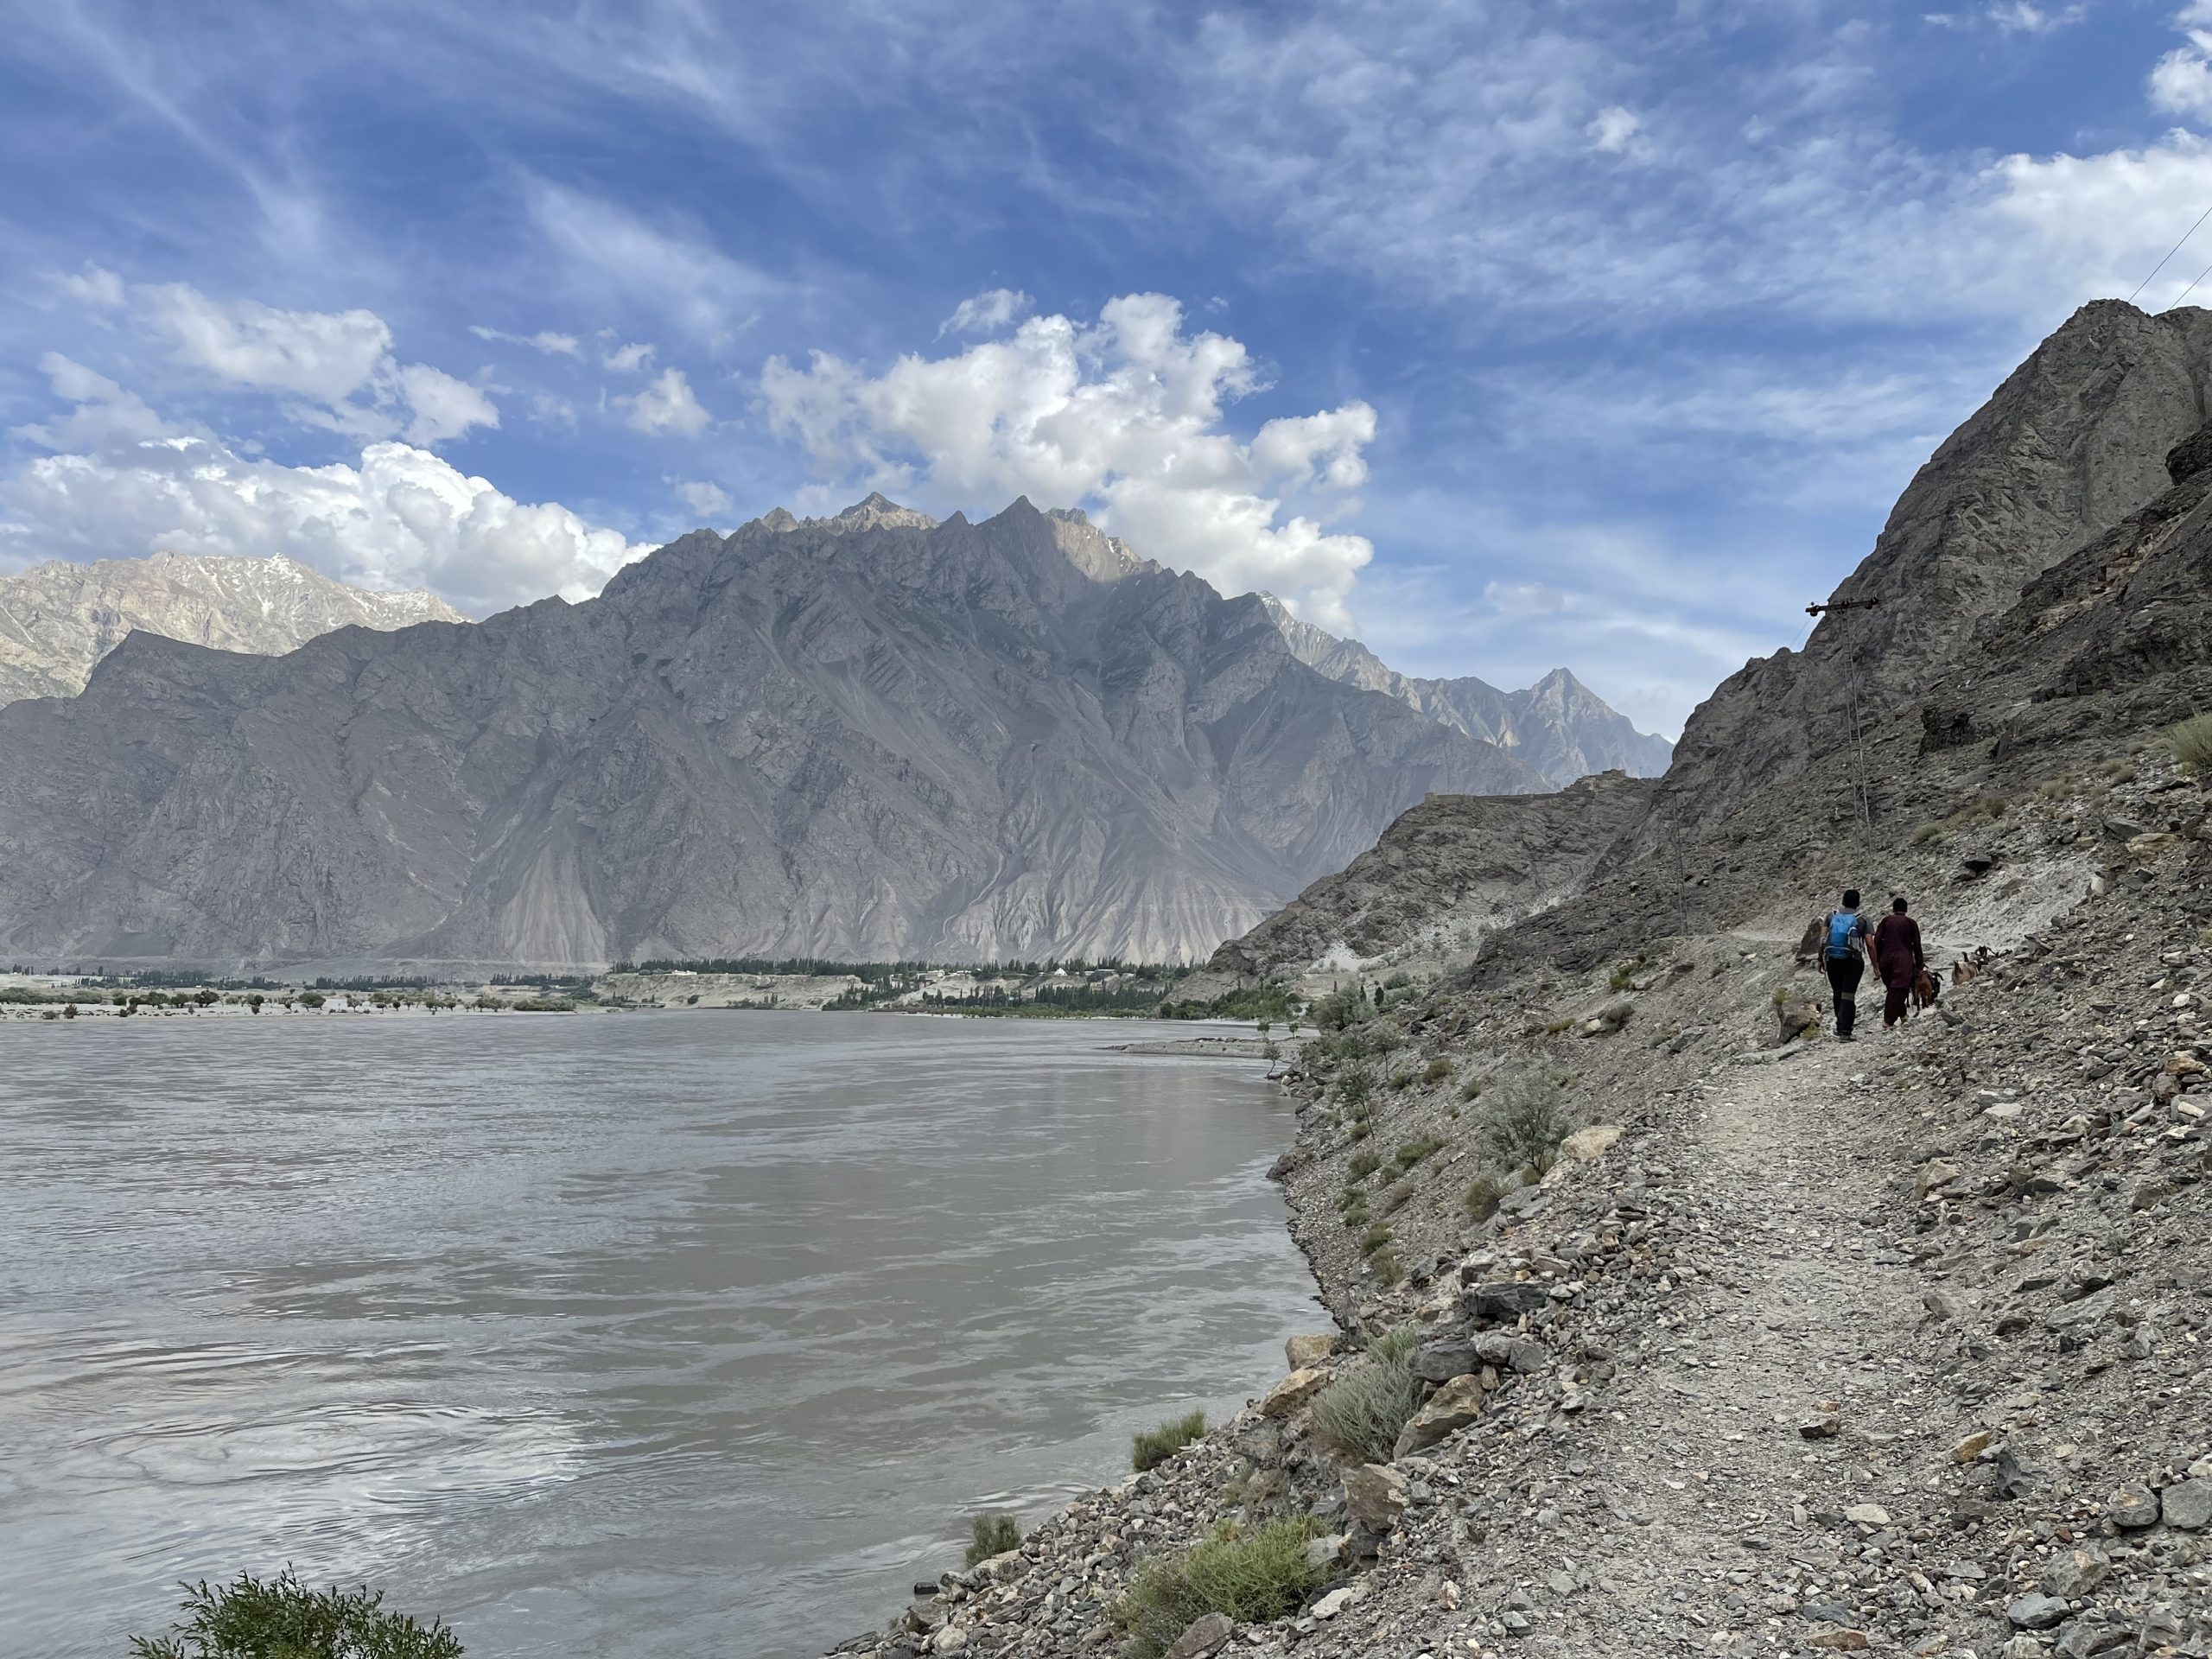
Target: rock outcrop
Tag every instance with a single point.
(58, 619)
(869, 737)
(1559, 725)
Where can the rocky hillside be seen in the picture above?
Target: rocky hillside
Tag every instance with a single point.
(1449, 873)
(868, 737)
(1559, 725)
(1667, 1324)
(58, 619)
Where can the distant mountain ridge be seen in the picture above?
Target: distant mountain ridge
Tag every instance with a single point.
(58, 619)
(1559, 725)
(868, 736)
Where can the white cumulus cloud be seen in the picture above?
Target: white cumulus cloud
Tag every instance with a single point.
(335, 369)
(986, 313)
(633, 359)
(711, 501)
(667, 405)
(1123, 415)
(121, 482)
(404, 517)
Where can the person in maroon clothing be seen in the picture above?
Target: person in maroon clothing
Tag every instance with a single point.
(1898, 959)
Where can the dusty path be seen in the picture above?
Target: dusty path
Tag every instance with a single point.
(1718, 1515)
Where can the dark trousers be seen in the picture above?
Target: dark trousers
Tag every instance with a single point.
(1893, 1004)
(1843, 979)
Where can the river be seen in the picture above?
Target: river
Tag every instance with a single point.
(650, 1334)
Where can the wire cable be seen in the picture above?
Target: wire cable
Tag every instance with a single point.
(2191, 288)
(2176, 248)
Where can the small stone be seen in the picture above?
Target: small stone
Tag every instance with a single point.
(1842, 1640)
(1335, 1601)
(1522, 1354)
(1561, 1581)
(2036, 1612)
(1867, 1515)
(1821, 1426)
(1518, 1624)
(950, 1639)
(1327, 1550)
(1293, 1391)
(2074, 1574)
(2133, 1506)
(1973, 1445)
(1304, 1353)
(1203, 1636)
(2187, 1504)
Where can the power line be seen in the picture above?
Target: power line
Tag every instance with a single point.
(2176, 248)
(2191, 288)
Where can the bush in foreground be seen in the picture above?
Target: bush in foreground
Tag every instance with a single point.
(993, 1535)
(1253, 1576)
(1155, 1446)
(282, 1618)
(1363, 1410)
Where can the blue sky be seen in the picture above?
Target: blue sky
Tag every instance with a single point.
(1506, 335)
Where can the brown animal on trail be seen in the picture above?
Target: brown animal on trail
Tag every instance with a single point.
(1966, 967)
(1926, 988)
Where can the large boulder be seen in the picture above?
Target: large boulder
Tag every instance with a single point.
(1450, 1409)
(1376, 1495)
(1292, 1392)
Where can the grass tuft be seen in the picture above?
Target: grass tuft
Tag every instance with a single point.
(1253, 1577)
(993, 1535)
(1155, 1446)
(1363, 1410)
(2190, 744)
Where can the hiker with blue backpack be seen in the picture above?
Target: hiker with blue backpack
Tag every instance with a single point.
(1845, 950)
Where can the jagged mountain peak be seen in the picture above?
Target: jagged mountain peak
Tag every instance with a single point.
(1558, 725)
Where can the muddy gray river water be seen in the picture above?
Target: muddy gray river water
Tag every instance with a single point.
(646, 1335)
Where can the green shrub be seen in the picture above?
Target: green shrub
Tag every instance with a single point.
(1482, 1196)
(1340, 1008)
(1926, 833)
(1436, 1070)
(1363, 1410)
(1528, 1119)
(1253, 1577)
(1471, 1090)
(1356, 1216)
(1155, 1446)
(2117, 768)
(1360, 1128)
(1411, 1152)
(282, 1618)
(1384, 1263)
(2191, 743)
(1375, 1238)
(1362, 1165)
(1397, 1197)
(993, 1535)
(1398, 982)
(1383, 1036)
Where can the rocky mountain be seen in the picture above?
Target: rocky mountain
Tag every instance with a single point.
(1558, 726)
(870, 736)
(58, 619)
(1663, 1322)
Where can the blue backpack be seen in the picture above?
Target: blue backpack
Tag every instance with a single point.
(1843, 929)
